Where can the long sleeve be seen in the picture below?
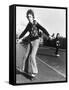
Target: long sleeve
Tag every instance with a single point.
(43, 29)
(24, 32)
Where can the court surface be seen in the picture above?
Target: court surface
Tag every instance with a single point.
(51, 68)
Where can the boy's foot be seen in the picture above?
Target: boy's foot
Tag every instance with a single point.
(18, 68)
(23, 69)
(33, 77)
(57, 55)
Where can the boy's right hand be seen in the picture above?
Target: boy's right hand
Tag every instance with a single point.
(18, 40)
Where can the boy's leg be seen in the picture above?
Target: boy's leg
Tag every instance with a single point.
(56, 50)
(26, 55)
(35, 45)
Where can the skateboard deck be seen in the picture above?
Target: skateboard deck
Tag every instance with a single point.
(28, 74)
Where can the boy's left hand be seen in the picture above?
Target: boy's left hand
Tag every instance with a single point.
(50, 37)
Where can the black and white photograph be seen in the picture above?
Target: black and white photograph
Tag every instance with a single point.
(41, 44)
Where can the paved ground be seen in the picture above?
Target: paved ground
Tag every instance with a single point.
(58, 63)
(51, 68)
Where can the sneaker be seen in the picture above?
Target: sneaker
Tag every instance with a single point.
(57, 55)
(23, 69)
(33, 75)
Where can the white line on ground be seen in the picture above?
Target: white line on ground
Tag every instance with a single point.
(52, 67)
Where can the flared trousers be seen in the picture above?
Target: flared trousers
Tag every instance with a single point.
(29, 60)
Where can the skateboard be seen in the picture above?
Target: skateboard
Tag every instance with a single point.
(27, 74)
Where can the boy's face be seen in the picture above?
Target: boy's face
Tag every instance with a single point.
(30, 18)
(58, 35)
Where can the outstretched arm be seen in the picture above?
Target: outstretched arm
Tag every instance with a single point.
(43, 29)
(24, 32)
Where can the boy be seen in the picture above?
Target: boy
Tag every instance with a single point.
(57, 44)
(32, 40)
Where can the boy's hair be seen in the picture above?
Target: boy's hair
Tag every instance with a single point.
(57, 34)
(30, 12)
